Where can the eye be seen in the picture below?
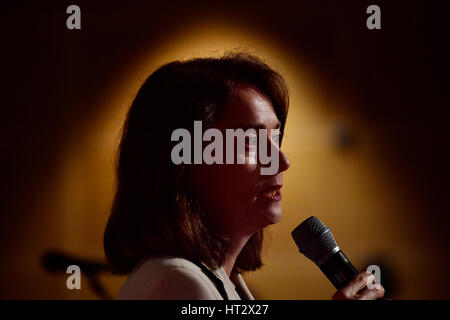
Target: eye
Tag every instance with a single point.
(276, 138)
(252, 141)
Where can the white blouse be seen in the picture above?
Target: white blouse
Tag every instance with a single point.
(175, 278)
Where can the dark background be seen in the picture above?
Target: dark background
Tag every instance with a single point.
(398, 75)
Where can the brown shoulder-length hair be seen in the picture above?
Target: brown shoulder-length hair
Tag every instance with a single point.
(155, 211)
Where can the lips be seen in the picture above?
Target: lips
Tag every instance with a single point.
(272, 193)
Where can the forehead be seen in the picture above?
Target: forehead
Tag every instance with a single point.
(248, 106)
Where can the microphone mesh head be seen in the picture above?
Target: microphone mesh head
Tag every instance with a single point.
(314, 239)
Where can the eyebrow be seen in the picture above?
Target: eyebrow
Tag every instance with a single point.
(259, 126)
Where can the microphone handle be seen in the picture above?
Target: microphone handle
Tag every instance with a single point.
(338, 269)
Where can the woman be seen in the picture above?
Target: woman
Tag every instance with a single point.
(187, 231)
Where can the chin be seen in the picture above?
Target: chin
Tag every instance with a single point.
(271, 216)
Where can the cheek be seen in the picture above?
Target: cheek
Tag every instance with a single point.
(229, 186)
(248, 160)
(238, 180)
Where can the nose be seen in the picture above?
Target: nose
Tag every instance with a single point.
(284, 162)
(277, 163)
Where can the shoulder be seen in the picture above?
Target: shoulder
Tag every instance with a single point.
(171, 262)
(172, 278)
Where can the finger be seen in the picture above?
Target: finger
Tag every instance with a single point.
(376, 292)
(360, 281)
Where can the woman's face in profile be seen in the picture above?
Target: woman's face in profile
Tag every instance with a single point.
(237, 195)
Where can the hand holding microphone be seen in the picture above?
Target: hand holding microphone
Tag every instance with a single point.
(317, 243)
(358, 288)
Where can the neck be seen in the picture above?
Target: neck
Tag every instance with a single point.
(237, 243)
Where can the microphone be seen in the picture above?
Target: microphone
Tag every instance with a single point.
(316, 242)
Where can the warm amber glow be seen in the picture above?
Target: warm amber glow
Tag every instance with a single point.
(349, 191)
